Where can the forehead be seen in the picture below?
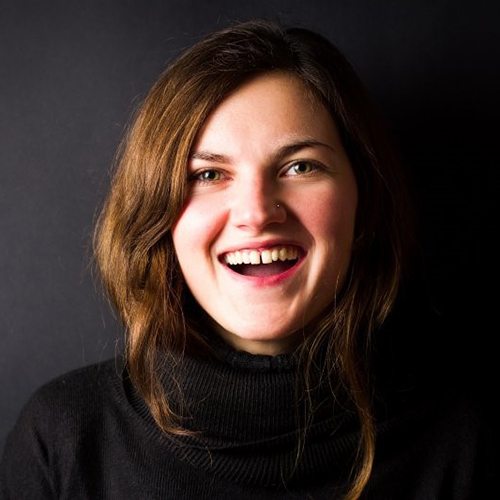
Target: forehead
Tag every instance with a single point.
(265, 108)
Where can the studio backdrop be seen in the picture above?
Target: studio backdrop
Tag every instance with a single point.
(71, 74)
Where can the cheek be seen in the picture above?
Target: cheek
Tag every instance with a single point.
(331, 215)
(332, 222)
(195, 229)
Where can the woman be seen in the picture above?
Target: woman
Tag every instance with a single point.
(254, 242)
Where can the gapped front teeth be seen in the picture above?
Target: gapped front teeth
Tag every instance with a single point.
(266, 256)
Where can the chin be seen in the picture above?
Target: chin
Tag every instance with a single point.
(260, 340)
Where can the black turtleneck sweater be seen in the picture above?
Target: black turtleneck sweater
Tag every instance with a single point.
(88, 435)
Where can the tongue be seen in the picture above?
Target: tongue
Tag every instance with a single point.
(260, 270)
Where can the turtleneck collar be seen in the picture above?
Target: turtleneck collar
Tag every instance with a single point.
(247, 419)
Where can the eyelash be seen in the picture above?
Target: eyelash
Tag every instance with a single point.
(198, 176)
(314, 166)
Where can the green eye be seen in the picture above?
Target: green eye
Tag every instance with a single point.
(208, 176)
(301, 168)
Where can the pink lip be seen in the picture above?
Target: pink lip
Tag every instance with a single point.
(261, 281)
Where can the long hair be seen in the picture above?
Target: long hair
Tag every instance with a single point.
(133, 242)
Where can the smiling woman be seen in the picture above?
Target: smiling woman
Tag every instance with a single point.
(256, 241)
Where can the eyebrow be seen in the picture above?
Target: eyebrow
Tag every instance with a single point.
(282, 152)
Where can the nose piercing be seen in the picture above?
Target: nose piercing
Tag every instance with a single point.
(277, 205)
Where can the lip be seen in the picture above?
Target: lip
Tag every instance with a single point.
(261, 281)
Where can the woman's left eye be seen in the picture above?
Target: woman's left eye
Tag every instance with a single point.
(301, 168)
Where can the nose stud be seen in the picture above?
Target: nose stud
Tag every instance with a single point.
(277, 205)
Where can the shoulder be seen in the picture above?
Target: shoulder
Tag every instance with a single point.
(72, 399)
(68, 395)
(437, 443)
(63, 415)
(79, 386)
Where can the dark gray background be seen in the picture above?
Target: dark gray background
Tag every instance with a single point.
(71, 73)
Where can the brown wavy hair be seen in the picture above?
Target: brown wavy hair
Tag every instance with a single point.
(133, 244)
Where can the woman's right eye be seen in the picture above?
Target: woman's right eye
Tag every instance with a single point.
(206, 176)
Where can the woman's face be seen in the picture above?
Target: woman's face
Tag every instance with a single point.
(264, 240)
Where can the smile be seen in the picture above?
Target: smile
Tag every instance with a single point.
(261, 263)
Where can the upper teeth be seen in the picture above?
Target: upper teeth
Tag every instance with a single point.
(266, 256)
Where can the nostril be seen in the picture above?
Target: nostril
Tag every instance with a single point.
(257, 214)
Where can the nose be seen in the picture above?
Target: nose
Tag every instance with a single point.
(255, 204)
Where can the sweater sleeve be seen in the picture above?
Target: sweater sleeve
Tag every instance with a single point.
(25, 469)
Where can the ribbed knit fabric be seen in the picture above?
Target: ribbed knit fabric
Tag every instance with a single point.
(88, 435)
(244, 409)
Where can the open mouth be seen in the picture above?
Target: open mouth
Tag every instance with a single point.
(263, 263)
